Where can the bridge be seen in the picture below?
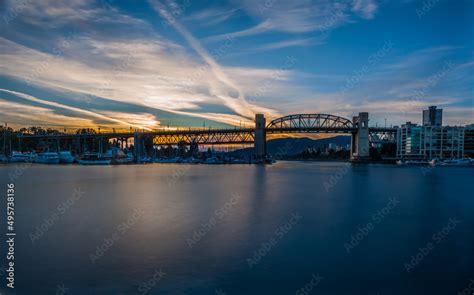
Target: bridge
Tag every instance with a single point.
(362, 135)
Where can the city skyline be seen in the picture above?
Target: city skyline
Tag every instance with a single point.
(160, 63)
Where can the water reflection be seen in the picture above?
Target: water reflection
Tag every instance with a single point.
(202, 199)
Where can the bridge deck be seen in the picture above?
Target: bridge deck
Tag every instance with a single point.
(204, 136)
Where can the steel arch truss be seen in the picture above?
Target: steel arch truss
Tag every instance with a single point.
(310, 121)
(211, 137)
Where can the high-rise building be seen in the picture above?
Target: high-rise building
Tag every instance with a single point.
(469, 141)
(433, 116)
(428, 142)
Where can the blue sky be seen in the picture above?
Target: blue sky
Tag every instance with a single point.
(151, 64)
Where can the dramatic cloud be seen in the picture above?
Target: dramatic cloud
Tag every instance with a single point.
(154, 62)
(301, 16)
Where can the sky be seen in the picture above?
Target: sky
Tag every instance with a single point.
(176, 63)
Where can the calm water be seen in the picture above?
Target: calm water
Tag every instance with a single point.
(178, 229)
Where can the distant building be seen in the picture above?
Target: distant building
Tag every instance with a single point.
(433, 116)
(428, 142)
(469, 141)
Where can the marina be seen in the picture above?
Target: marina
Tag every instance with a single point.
(464, 162)
(408, 145)
(118, 157)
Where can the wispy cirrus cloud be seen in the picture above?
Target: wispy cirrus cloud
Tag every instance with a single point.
(289, 43)
(146, 73)
(88, 113)
(300, 16)
(17, 114)
(165, 83)
(212, 16)
(257, 29)
(239, 104)
(365, 8)
(392, 89)
(56, 13)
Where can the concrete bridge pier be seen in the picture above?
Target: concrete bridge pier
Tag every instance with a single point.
(137, 147)
(360, 138)
(260, 144)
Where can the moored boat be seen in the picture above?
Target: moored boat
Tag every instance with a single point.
(213, 161)
(47, 158)
(19, 157)
(169, 160)
(128, 159)
(414, 162)
(66, 157)
(145, 160)
(94, 159)
(456, 162)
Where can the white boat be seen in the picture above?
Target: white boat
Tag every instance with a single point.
(238, 161)
(94, 159)
(192, 160)
(456, 162)
(414, 162)
(159, 160)
(18, 157)
(47, 158)
(146, 160)
(123, 160)
(213, 161)
(173, 160)
(66, 157)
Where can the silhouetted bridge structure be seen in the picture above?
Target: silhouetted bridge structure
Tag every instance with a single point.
(362, 134)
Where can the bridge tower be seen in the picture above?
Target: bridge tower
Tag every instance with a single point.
(260, 137)
(360, 138)
(137, 147)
